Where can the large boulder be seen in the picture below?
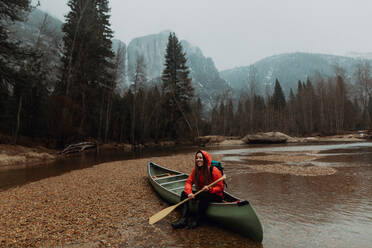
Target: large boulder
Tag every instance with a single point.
(266, 138)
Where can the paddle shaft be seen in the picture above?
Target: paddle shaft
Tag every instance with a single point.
(161, 214)
(210, 185)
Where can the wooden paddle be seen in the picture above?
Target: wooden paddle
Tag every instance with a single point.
(160, 215)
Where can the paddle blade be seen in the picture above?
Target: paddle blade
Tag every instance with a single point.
(160, 215)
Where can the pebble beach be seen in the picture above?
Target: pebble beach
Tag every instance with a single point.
(107, 205)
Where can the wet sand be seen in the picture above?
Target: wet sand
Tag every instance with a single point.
(15, 156)
(106, 205)
(109, 205)
(298, 164)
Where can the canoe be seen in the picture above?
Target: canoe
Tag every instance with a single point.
(233, 213)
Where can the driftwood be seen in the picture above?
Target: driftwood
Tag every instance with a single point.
(79, 147)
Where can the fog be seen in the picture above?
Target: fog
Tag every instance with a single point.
(240, 32)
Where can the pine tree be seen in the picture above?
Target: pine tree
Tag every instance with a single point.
(10, 55)
(239, 119)
(139, 83)
(278, 99)
(88, 67)
(20, 108)
(197, 113)
(309, 106)
(222, 118)
(259, 114)
(177, 89)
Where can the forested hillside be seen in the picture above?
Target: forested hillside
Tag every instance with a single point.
(205, 77)
(289, 68)
(66, 82)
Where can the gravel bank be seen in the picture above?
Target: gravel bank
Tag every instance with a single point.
(17, 156)
(102, 206)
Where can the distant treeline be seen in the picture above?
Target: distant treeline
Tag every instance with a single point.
(85, 102)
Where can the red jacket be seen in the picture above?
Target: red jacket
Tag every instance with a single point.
(216, 174)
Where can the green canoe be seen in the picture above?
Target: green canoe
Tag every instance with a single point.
(233, 213)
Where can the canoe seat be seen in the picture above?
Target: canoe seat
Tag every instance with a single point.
(172, 182)
(170, 176)
(177, 188)
(162, 175)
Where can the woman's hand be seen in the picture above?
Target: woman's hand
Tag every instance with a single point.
(205, 188)
(191, 196)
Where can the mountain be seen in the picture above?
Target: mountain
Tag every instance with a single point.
(42, 32)
(359, 55)
(120, 49)
(38, 26)
(288, 69)
(45, 32)
(152, 48)
(205, 77)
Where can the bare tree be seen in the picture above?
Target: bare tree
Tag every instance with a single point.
(363, 83)
(139, 82)
(269, 113)
(118, 72)
(321, 92)
(253, 83)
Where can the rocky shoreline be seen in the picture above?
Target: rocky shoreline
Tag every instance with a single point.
(17, 155)
(107, 205)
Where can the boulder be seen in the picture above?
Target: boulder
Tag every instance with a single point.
(266, 138)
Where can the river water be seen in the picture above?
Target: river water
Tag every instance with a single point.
(309, 211)
(295, 211)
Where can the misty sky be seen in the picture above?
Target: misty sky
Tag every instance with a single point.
(241, 32)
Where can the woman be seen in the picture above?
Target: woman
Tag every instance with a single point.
(201, 176)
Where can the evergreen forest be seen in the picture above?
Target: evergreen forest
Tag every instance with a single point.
(85, 102)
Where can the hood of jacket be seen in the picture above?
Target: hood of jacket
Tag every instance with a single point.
(207, 157)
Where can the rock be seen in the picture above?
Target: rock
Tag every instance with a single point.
(231, 142)
(266, 138)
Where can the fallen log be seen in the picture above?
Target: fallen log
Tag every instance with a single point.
(79, 147)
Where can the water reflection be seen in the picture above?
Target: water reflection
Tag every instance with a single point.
(316, 211)
(16, 176)
(294, 148)
(296, 211)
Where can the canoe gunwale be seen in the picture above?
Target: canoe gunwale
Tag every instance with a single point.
(236, 202)
(237, 215)
(153, 180)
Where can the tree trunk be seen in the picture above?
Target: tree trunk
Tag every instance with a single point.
(83, 116)
(100, 117)
(108, 112)
(133, 125)
(18, 121)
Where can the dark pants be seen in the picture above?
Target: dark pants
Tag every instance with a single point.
(203, 199)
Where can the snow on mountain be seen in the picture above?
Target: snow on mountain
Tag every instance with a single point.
(289, 68)
(359, 55)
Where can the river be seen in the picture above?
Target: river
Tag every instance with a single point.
(296, 211)
(309, 211)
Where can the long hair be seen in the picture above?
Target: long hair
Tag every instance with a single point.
(204, 171)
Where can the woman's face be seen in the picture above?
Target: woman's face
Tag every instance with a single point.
(199, 159)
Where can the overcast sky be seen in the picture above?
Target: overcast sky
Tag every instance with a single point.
(241, 32)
